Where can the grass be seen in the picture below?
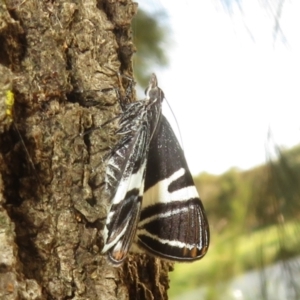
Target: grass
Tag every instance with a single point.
(233, 254)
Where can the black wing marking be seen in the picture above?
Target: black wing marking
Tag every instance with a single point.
(173, 224)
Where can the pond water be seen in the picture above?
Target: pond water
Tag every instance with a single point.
(280, 281)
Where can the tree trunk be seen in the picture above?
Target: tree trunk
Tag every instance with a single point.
(60, 61)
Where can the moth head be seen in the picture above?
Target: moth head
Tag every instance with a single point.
(153, 92)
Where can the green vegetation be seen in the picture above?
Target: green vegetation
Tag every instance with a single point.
(230, 256)
(254, 221)
(150, 36)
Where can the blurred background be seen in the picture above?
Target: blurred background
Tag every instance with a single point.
(230, 70)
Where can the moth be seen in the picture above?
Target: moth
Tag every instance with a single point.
(154, 206)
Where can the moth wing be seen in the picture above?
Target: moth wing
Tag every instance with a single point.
(173, 223)
(128, 163)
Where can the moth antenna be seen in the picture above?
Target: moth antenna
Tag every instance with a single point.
(9, 102)
(98, 127)
(177, 124)
(27, 154)
(128, 90)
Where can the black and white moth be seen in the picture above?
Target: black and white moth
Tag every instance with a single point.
(154, 202)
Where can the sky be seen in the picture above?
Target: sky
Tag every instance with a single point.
(230, 80)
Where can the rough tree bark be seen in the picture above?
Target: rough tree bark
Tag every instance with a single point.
(60, 59)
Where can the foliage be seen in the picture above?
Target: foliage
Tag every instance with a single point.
(150, 35)
(255, 198)
(231, 255)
